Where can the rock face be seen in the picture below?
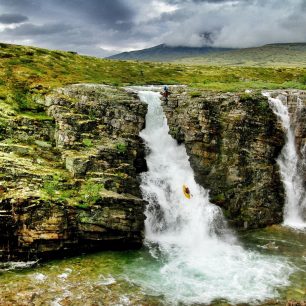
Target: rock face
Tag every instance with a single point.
(69, 177)
(296, 102)
(233, 141)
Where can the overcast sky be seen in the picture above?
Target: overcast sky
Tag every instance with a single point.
(104, 27)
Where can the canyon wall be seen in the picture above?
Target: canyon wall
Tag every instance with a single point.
(69, 177)
(233, 141)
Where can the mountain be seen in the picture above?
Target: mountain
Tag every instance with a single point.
(272, 55)
(164, 53)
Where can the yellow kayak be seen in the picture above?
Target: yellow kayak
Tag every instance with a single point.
(186, 191)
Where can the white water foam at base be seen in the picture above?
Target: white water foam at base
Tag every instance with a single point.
(199, 259)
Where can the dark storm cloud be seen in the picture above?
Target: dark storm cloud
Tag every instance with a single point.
(99, 27)
(29, 29)
(21, 5)
(12, 18)
(202, 1)
(243, 23)
(112, 13)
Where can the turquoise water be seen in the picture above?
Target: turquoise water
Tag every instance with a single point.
(122, 278)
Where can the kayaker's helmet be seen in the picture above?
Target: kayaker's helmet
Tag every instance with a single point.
(165, 88)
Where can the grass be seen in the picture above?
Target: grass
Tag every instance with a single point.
(51, 186)
(87, 194)
(27, 73)
(275, 55)
(37, 116)
(87, 143)
(121, 147)
(90, 192)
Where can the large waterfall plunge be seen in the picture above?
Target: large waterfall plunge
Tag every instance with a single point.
(289, 163)
(199, 260)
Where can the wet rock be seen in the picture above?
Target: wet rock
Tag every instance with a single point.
(77, 166)
(46, 229)
(233, 141)
(296, 101)
(295, 303)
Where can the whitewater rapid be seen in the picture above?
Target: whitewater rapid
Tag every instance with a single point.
(199, 258)
(289, 164)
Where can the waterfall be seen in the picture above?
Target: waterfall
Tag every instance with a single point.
(290, 165)
(200, 260)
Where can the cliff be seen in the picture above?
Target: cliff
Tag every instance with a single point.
(233, 141)
(69, 176)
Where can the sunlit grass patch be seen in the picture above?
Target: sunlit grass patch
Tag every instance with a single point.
(27, 71)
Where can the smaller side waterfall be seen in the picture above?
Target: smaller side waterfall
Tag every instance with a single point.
(291, 165)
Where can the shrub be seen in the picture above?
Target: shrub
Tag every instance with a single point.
(64, 195)
(303, 79)
(121, 147)
(246, 97)
(52, 186)
(87, 142)
(92, 114)
(195, 94)
(90, 192)
(218, 199)
(263, 105)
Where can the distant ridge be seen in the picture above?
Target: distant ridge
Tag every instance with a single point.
(271, 55)
(164, 53)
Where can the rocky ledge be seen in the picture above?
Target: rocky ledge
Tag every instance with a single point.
(69, 176)
(233, 141)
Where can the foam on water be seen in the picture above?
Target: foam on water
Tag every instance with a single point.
(199, 258)
(15, 265)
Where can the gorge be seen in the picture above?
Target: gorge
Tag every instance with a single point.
(89, 146)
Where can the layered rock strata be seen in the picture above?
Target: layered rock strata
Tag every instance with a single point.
(233, 141)
(69, 177)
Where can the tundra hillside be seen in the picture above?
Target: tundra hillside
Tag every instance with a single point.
(70, 155)
(26, 72)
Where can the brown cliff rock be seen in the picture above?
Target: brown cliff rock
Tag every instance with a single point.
(69, 178)
(233, 141)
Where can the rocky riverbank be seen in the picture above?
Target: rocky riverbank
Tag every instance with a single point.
(69, 176)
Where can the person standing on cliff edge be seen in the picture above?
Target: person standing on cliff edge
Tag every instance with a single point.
(166, 93)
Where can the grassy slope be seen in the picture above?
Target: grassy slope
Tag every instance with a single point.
(276, 55)
(164, 53)
(26, 72)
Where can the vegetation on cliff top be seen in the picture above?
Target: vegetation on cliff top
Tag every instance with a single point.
(27, 71)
